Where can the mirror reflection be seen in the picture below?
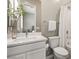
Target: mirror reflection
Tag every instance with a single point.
(21, 16)
(29, 23)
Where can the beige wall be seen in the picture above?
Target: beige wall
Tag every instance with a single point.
(50, 11)
(47, 10)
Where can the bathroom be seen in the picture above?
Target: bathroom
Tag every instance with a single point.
(39, 29)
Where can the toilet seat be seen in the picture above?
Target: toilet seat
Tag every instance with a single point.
(61, 51)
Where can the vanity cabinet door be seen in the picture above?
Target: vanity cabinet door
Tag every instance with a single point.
(20, 56)
(37, 54)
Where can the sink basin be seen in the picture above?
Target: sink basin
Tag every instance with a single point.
(21, 34)
(34, 34)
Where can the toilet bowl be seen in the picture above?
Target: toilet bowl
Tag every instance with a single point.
(59, 52)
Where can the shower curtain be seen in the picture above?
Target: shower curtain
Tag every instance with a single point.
(65, 24)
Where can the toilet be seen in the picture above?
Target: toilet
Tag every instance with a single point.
(59, 52)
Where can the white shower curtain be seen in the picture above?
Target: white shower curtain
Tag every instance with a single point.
(64, 25)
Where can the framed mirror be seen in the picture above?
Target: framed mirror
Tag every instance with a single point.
(25, 15)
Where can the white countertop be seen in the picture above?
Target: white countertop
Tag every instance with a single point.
(22, 39)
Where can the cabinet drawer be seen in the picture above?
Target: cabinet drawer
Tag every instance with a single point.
(24, 48)
(20, 56)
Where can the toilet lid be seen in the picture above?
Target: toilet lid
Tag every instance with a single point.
(61, 51)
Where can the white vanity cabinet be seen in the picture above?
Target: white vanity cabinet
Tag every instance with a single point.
(34, 50)
(37, 54)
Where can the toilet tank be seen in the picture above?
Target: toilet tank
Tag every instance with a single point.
(53, 41)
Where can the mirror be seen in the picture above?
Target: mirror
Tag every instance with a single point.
(29, 23)
(21, 16)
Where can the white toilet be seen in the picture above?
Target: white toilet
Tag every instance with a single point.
(59, 52)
